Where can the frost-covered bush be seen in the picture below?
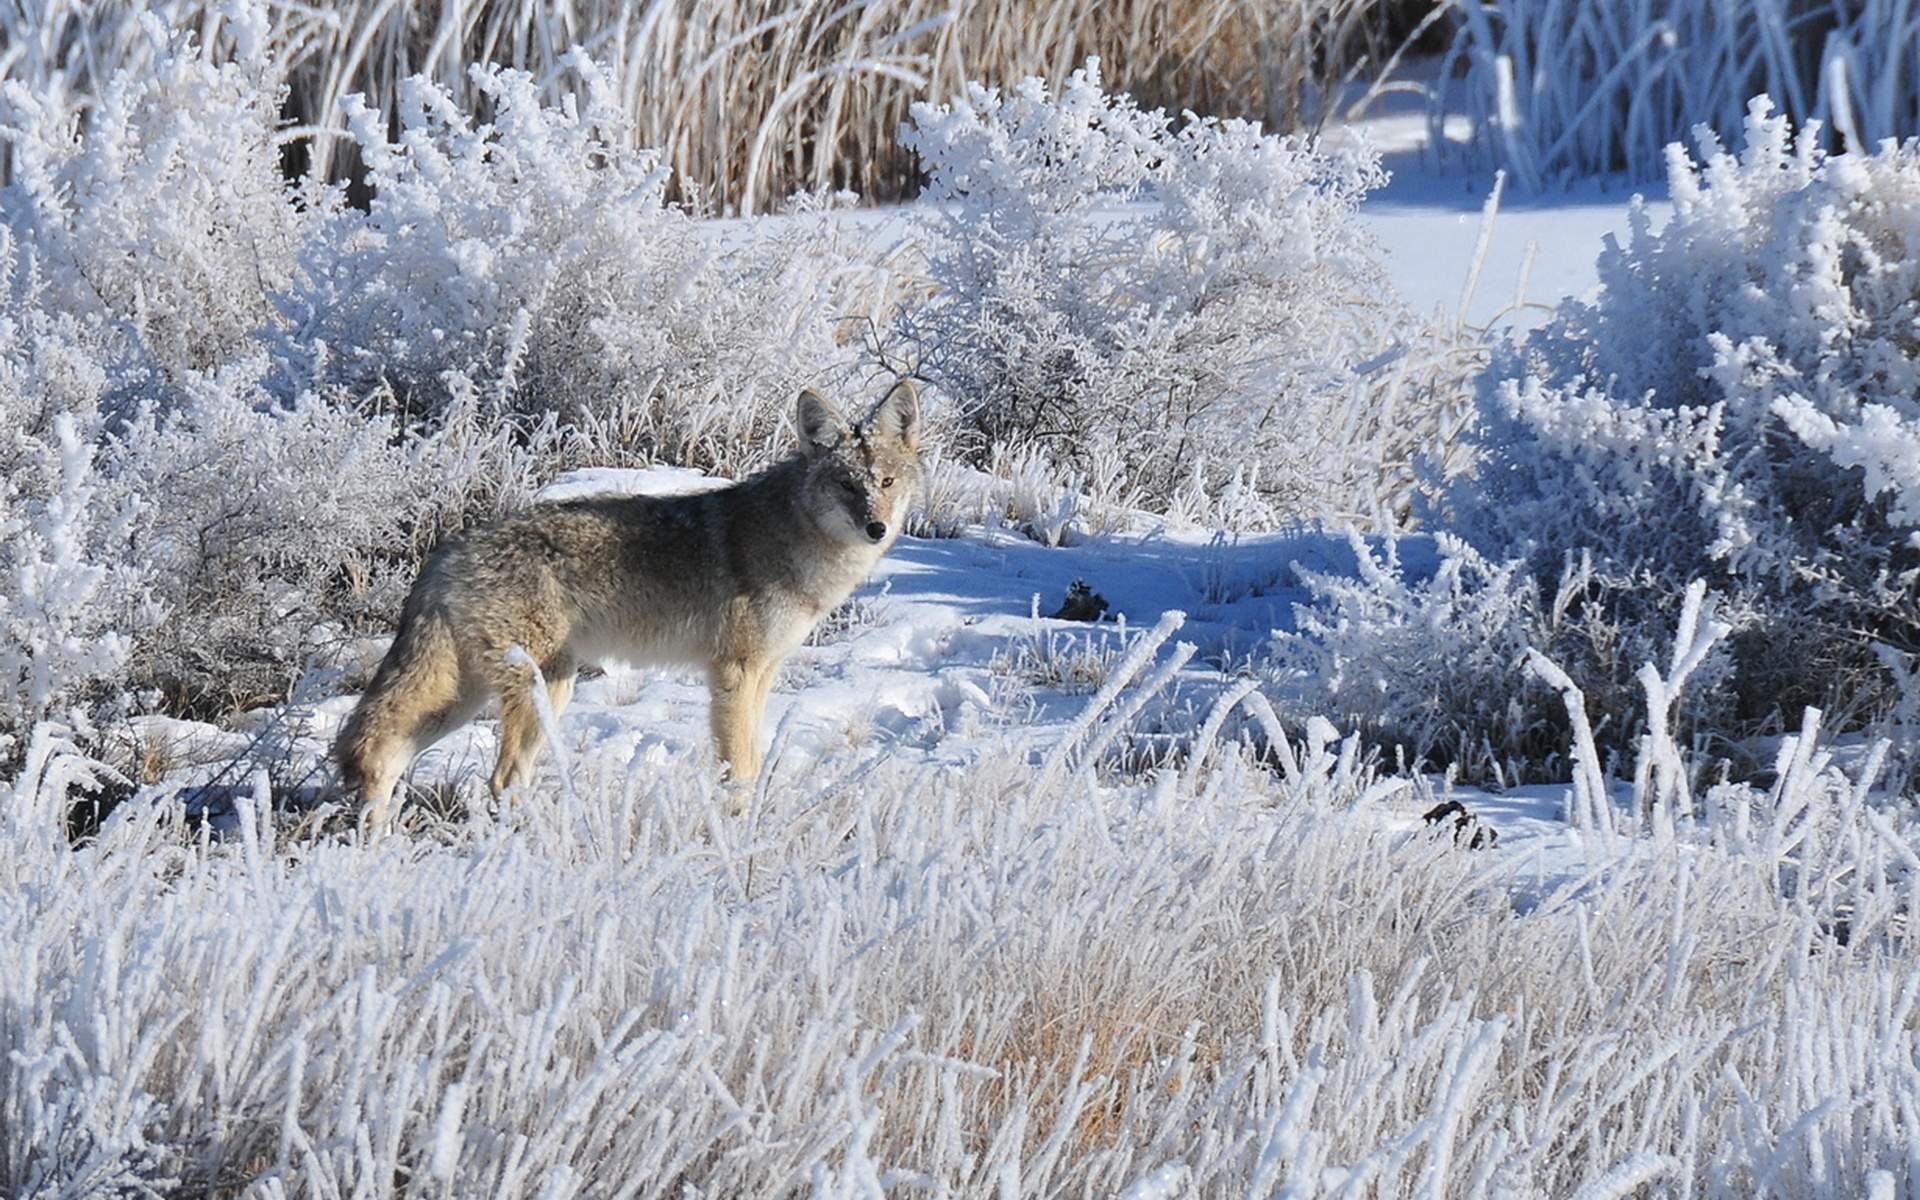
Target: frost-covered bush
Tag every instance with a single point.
(1738, 404)
(1191, 297)
(1426, 652)
(535, 258)
(162, 212)
(70, 598)
(266, 527)
(1426, 659)
(172, 528)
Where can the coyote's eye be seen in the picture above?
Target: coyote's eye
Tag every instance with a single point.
(887, 482)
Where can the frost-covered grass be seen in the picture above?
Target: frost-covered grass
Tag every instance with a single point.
(1561, 89)
(899, 977)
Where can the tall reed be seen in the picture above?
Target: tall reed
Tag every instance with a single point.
(750, 100)
(1561, 88)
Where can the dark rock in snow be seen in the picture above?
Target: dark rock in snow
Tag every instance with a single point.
(1082, 604)
(1466, 827)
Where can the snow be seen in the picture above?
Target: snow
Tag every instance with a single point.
(630, 481)
(1427, 220)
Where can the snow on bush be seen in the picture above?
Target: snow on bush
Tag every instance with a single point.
(70, 599)
(963, 981)
(536, 257)
(172, 526)
(1190, 300)
(1737, 404)
(1430, 658)
(1558, 89)
(163, 214)
(266, 527)
(1426, 660)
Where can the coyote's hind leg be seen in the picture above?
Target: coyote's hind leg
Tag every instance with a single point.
(521, 733)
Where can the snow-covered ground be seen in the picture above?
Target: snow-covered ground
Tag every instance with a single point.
(1541, 247)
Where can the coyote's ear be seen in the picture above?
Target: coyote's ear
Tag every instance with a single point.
(821, 424)
(898, 416)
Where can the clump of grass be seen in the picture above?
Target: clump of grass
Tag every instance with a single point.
(865, 609)
(1076, 661)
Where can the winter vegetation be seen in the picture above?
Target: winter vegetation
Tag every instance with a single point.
(745, 101)
(1128, 897)
(1239, 985)
(1560, 89)
(1736, 407)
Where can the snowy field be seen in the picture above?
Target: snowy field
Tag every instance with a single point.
(1487, 768)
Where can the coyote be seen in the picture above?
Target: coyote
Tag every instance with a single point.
(731, 580)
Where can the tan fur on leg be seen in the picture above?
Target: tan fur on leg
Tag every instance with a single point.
(739, 700)
(521, 732)
(377, 805)
(520, 739)
(731, 695)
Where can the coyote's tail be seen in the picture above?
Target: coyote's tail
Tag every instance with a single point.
(418, 678)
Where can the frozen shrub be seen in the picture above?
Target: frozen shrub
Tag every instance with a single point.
(1192, 298)
(1428, 657)
(752, 99)
(1738, 405)
(169, 524)
(472, 253)
(69, 598)
(536, 256)
(1426, 660)
(165, 215)
(266, 527)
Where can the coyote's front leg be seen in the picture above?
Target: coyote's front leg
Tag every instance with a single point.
(739, 690)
